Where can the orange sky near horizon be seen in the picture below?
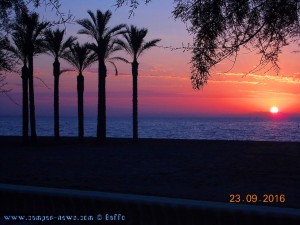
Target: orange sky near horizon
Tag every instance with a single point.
(164, 85)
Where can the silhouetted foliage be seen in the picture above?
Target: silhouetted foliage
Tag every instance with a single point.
(134, 44)
(3, 83)
(56, 47)
(221, 27)
(105, 46)
(7, 59)
(9, 7)
(133, 4)
(20, 49)
(81, 57)
(31, 35)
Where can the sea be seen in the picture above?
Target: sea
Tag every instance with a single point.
(202, 128)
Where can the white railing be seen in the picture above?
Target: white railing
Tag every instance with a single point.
(53, 204)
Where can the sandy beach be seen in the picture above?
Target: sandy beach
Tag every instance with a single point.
(190, 169)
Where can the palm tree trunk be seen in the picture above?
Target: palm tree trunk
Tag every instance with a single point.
(31, 100)
(56, 71)
(80, 90)
(135, 66)
(101, 120)
(25, 103)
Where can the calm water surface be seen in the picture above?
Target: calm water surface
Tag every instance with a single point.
(259, 129)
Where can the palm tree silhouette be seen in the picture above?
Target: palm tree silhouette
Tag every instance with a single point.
(33, 30)
(105, 45)
(135, 44)
(80, 57)
(20, 50)
(56, 47)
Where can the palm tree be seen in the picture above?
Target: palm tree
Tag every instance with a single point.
(33, 31)
(56, 47)
(135, 44)
(80, 57)
(105, 37)
(20, 50)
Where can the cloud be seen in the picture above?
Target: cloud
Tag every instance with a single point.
(156, 69)
(236, 81)
(169, 76)
(256, 78)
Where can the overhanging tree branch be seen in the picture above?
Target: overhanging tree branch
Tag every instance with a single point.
(221, 27)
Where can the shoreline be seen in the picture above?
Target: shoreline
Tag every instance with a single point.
(191, 169)
(8, 139)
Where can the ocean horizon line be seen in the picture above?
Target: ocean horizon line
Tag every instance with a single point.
(234, 128)
(176, 116)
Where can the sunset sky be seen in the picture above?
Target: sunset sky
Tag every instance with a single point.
(164, 76)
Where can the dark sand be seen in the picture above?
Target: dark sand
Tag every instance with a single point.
(202, 170)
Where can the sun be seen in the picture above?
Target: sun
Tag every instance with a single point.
(274, 109)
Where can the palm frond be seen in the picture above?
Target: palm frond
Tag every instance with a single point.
(53, 40)
(88, 28)
(71, 59)
(20, 48)
(55, 44)
(102, 22)
(7, 57)
(134, 43)
(80, 56)
(116, 30)
(32, 29)
(68, 43)
(92, 46)
(39, 27)
(39, 47)
(148, 45)
(71, 56)
(90, 59)
(115, 67)
(124, 45)
(93, 17)
(112, 47)
(97, 27)
(64, 71)
(118, 59)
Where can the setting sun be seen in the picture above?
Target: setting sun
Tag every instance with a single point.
(274, 109)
